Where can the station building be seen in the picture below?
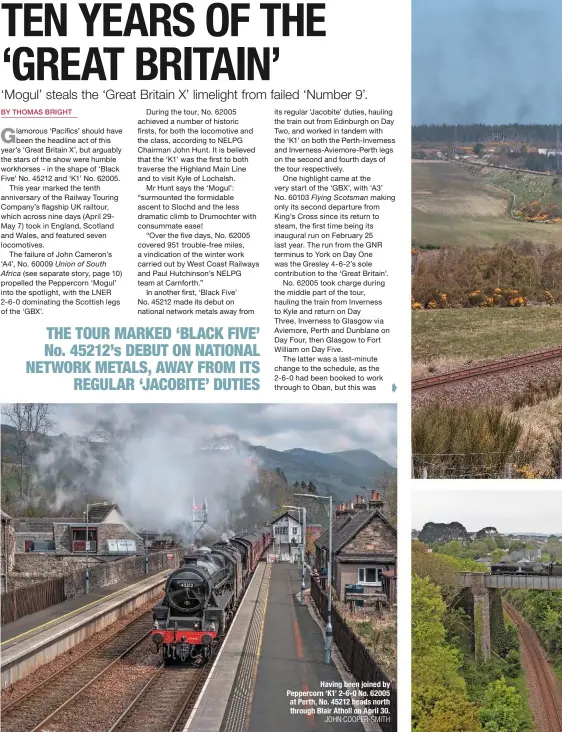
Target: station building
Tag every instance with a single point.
(364, 545)
(100, 532)
(287, 535)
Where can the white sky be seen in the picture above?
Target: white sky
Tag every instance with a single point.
(510, 510)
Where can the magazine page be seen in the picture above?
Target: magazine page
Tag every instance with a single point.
(204, 318)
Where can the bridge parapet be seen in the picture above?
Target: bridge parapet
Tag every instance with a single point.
(523, 582)
(484, 580)
(474, 580)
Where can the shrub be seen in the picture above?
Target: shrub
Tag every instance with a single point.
(471, 277)
(458, 442)
(536, 392)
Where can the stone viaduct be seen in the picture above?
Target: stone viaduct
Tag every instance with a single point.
(484, 587)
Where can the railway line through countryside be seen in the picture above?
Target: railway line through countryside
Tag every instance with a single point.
(487, 369)
(550, 720)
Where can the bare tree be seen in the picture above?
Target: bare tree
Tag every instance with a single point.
(115, 433)
(31, 423)
(386, 484)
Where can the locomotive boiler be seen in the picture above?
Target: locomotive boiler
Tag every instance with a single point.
(201, 596)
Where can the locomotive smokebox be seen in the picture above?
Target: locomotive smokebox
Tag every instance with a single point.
(201, 596)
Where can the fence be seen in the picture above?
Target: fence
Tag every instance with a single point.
(356, 655)
(101, 575)
(478, 465)
(26, 600)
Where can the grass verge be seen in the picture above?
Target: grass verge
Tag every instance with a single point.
(472, 334)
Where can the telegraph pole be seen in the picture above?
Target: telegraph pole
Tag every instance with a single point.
(87, 574)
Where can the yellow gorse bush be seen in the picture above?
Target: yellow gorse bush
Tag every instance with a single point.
(524, 471)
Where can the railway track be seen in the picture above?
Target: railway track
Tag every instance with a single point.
(41, 704)
(164, 704)
(545, 681)
(486, 369)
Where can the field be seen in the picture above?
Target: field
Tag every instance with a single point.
(456, 336)
(525, 187)
(452, 206)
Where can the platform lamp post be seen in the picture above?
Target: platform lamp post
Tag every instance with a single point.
(87, 575)
(328, 646)
(303, 529)
(146, 551)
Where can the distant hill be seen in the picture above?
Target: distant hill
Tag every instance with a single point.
(341, 474)
(363, 460)
(532, 534)
(7, 449)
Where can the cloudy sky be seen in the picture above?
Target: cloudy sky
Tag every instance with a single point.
(322, 427)
(488, 61)
(510, 510)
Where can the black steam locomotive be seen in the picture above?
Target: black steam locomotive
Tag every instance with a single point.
(201, 595)
(544, 570)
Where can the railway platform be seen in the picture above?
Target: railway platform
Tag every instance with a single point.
(40, 637)
(271, 665)
(35, 622)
